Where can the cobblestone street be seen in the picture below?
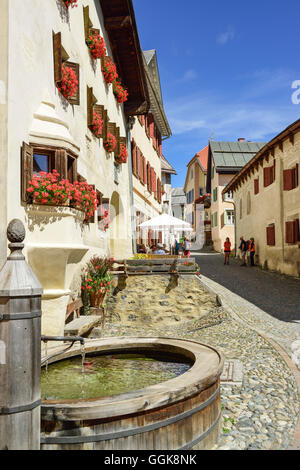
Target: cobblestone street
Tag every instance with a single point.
(262, 411)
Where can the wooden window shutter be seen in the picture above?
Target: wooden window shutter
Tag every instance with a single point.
(222, 220)
(297, 230)
(87, 22)
(133, 156)
(271, 235)
(159, 144)
(26, 170)
(61, 163)
(145, 170)
(75, 99)
(266, 177)
(91, 101)
(290, 232)
(148, 177)
(287, 180)
(256, 186)
(117, 136)
(57, 57)
(296, 176)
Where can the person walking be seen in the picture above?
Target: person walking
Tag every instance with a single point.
(176, 248)
(244, 248)
(227, 250)
(187, 247)
(252, 252)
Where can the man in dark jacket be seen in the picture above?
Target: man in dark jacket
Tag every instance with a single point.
(244, 248)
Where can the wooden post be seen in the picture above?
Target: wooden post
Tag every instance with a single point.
(20, 348)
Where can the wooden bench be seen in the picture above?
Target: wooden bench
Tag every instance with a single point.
(82, 325)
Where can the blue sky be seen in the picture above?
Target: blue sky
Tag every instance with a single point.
(226, 69)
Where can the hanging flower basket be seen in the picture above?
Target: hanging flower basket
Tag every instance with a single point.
(69, 83)
(96, 45)
(111, 143)
(120, 92)
(72, 3)
(109, 70)
(97, 126)
(123, 156)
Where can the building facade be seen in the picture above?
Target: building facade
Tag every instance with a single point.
(45, 127)
(146, 151)
(267, 198)
(225, 160)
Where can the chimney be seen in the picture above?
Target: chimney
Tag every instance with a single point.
(241, 139)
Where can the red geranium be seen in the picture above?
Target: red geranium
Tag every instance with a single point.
(84, 198)
(69, 82)
(72, 3)
(97, 125)
(123, 156)
(110, 143)
(105, 219)
(96, 45)
(109, 70)
(120, 92)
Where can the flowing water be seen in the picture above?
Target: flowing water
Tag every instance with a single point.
(107, 375)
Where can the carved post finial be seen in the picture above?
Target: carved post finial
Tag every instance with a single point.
(16, 235)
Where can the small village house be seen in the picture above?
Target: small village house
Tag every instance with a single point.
(45, 128)
(225, 160)
(267, 197)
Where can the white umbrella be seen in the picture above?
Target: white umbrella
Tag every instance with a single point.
(166, 222)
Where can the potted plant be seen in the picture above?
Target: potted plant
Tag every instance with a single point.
(47, 189)
(98, 281)
(123, 155)
(96, 45)
(120, 92)
(68, 86)
(110, 143)
(109, 70)
(97, 125)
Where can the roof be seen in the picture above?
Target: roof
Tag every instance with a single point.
(233, 155)
(202, 158)
(178, 196)
(120, 24)
(154, 87)
(263, 152)
(166, 167)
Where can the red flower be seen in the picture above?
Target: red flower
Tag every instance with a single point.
(120, 92)
(110, 143)
(69, 82)
(96, 45)
(72, 3)
(109, 70)
(123, 155)
(97, 125)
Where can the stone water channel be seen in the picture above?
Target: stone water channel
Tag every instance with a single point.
(259, 412)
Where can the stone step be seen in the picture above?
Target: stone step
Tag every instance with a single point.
(82, 325)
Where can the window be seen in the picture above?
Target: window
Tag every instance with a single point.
(292, 234)
(60, 57)
(215, 219)
(229, 217)
(291, 178)
(271, 235)
(269, 175)
(35, 158)
(256, 186)
(192, 173)
(43, 161)
(228, 196)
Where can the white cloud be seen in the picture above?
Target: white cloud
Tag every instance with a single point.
(225, 37)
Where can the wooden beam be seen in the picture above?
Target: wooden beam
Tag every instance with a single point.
(118, 22)
(291, 138)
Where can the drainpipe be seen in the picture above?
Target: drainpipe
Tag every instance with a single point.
(132, 215)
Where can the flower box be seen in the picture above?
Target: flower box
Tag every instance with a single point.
(110, 143)
(109, 70)
(96, 44)
(68, 86)
(120, 92)
(71, 3)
